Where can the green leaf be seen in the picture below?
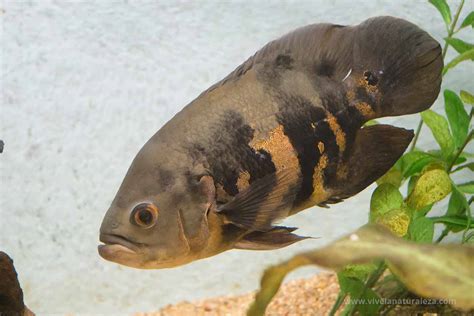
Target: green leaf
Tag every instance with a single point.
(409, 157)
(432, 186)
(348, 284)
(457, 207)
(358, 271)
(435, 271)
(425, 209)
(393, 176)
(364, 299)
(369, 303)
(414, 161)
(467, 187)
(462, 57)
(457, 117)
(435, 153)
(466, 97)
(371, 123)
(459, 45)
(457, 202)
(411, 184)
(468, 20)
(385, 198)
(440, 130)
(419, 165)
(421, 229)
(396, 220)
(443, 8)
(459, 221)
(461, 159)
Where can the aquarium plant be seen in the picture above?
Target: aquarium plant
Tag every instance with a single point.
(397, 255)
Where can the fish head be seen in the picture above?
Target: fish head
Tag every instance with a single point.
(158, 218)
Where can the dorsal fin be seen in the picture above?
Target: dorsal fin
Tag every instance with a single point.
(398, 57)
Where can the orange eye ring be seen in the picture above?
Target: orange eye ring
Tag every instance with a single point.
(144, 215)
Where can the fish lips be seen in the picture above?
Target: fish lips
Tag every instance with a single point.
(116, 246)
(120, 250)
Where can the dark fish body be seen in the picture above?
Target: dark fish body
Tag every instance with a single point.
(281, 133)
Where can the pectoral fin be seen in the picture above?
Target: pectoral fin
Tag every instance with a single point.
(278, 237)
(265, 201)
(376, 149)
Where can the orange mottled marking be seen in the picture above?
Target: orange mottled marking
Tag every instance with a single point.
(338, 132)
(319, 192)
(321, 147)
(350, 95)
(371, 89)
(365, 109)
(278, 145)
(243, 180)
(362, 82)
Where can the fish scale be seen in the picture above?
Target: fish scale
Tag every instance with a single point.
(283, 132)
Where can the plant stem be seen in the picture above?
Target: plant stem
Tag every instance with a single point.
(445, 50)
(417, 133)
(459, 152)
(460, 168)
(375, 276)
(339, 300)
(468, 237)
(444, 233)
(451, 28)
(371, 280)
(464, 145)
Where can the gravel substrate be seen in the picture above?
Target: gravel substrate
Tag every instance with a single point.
(314, 296)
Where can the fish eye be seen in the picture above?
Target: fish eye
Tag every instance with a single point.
(144, 215)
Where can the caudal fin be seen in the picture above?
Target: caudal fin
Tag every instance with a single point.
(401, 62)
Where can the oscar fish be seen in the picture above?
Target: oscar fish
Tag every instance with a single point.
(281, 133)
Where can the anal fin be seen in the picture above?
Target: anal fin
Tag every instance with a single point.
(375, 150)
(278, 237)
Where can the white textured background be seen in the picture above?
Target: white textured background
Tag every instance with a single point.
(85, 84)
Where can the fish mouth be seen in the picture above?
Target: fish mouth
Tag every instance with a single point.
(119, 249)
(114, 244)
